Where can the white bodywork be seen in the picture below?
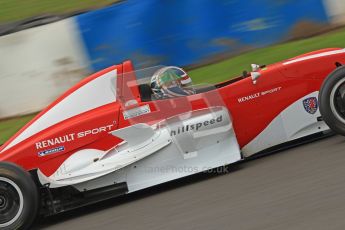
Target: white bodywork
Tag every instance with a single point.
(156, 154)
(292, 123)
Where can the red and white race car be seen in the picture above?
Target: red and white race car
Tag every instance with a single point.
(107, 136)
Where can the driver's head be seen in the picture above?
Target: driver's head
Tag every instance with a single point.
(171, 82)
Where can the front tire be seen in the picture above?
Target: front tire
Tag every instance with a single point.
(332, 100)
(18, 198)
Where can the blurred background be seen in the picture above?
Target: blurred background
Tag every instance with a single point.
(48, 46)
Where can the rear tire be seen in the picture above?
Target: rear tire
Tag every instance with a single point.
(332, 100)
(18, 198)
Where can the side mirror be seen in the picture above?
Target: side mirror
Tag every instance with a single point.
(255, 76)
(255, 67)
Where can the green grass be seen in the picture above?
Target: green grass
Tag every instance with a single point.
(11, 126)
(14, 10)
(234, 66)
(228, 68)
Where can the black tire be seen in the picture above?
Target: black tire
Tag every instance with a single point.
(19, 199)
(332, 102)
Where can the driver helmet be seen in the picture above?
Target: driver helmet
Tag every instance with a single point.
(170, 82)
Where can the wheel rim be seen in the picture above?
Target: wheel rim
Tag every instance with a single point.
(11, 202)
(337, 100)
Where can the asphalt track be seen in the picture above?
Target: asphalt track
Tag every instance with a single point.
(300, 188)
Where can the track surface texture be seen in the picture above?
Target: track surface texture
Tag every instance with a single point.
(299, 188)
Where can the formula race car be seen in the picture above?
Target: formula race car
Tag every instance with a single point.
(120, 131)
